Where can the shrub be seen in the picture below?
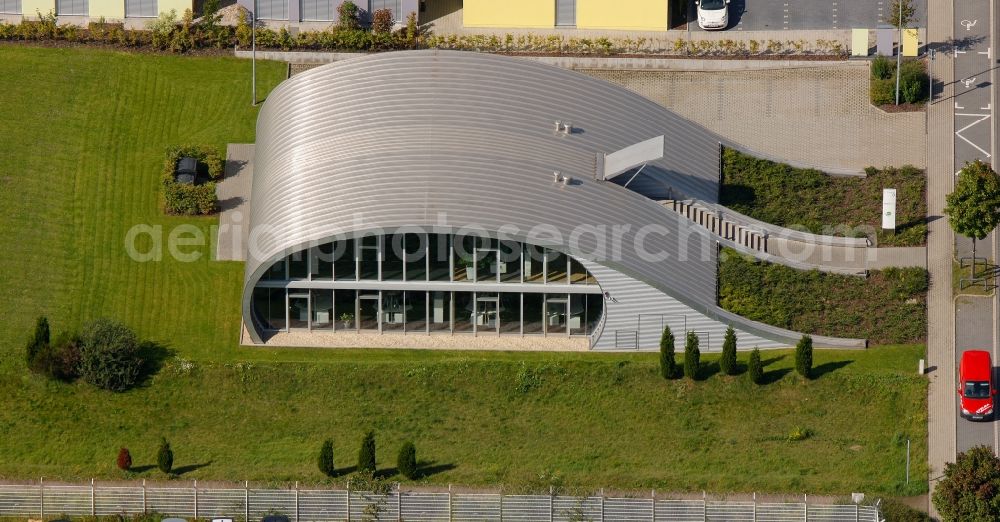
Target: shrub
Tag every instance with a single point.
(882, 68)
(110, 355)
(366, 455)
(382, 21)
(913, 81)
(244, 33)
(968, 489)
(326, 465)
(896, 511)
(804, 357)
(124, 461)
(755, 369)
(187, 199)
(406, 463)
(883, 92)
(347, 15)
(668, 365)
(162, 28)
(165, 456)
(727, 363)
(692, 356)
(799, 433)
(60, 359)
(38, 342)
(411, 30)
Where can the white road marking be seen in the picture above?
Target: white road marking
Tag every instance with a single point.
(969, 81)
(969, 24)
(957, 107)
(986, 52)
(982, 118)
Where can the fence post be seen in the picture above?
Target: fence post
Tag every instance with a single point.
(246, 500)
(704, 504)
(552, 496)
(41, 496)
(296, 501)
(602, 504)
(93, 506)
(501, 503)
(348, 500)
(144, 511)
(857, 513)
(653, 498)
(196, 498)
(399, 504)
(754, 506)
(805, 507)
(450, 512)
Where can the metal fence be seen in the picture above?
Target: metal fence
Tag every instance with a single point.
(307, 505)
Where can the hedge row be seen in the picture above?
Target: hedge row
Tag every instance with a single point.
(913, 82)
(832, 205)
(888, 307)
(180, 198)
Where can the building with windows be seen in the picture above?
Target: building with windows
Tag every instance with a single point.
(427, 193)
(627, 15)
(321, 13)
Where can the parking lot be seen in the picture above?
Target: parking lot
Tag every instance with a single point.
(770, 15)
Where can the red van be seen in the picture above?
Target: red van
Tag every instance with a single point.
(975, 385)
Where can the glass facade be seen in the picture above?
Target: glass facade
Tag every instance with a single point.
(329, 288)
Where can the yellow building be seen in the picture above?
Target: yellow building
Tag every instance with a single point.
(76, 11)
(627, 15)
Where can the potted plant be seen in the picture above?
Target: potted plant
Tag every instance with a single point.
(347, 318)
(468, 264)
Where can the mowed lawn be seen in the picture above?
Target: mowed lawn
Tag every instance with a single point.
(83, 134)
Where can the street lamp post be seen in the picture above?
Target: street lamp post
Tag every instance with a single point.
(899, 48)
(253, 54)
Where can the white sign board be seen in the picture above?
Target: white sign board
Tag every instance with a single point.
(889, 209)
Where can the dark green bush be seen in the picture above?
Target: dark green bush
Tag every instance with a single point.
(37, 343)
(882, 92)
(668, 365)
(60, 359)
(366, 455)
(913, 81)
(804, 357)
(888, 307)
(882, 68)
(325, 463)
(968, 490)
(110, 355)
(727, 362)
(192, 199)
(406, 462)
(692, 357)
(165, 456)
(755, 369)
(895, 511)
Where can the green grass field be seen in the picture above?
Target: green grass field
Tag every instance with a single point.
(83, 136)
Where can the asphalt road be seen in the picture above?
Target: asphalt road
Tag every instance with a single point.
(974, 90)
(974, 331)
(769, 15)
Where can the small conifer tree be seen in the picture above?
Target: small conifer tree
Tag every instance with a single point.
(755, 369)
(165, 457)
(124, 459)
(406, 463)
(727, 363)
(668, 365)
(326, 459)
(38, 343)
(804, 357)
(692, 356)
(366, 455)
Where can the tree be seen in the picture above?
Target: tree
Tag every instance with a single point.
(973, 209)
(382, 22)
(366, 455)
(406, 462)
(124, 460)
(970, 489)
(165, 456)
(692, 356)
(38, 342)
(326, 459)
(668, 365)
(755, 369)
(804, 357)
(727, 363)
(901, 13)
(110, 355)
(347, 16)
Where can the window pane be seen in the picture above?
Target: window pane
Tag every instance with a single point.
(577, 274)
(344, 264)
(276, 272)
(392, 311)
(595, 309)
(369, 258)
(555, 314)
(486, 266)
(392, 257)
(322, 262)
(464, 312)
(269, 307)
(298, 309)
(533, 268)
(486, 312)
(344, 306)
(440, 252)
(298, 265)
(440, 311)
(556, 266)
(368, 311)
(510, 261)
(534, 313)
(510, 313)
(464, 252)
(322, 309)
(578, 314)
(416, 312)
(416, 257)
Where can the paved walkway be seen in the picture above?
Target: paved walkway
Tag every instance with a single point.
(814, 116)
(234, 194)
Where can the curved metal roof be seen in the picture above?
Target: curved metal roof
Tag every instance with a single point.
(453, 139)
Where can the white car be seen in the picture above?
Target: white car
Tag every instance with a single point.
(713, 14)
